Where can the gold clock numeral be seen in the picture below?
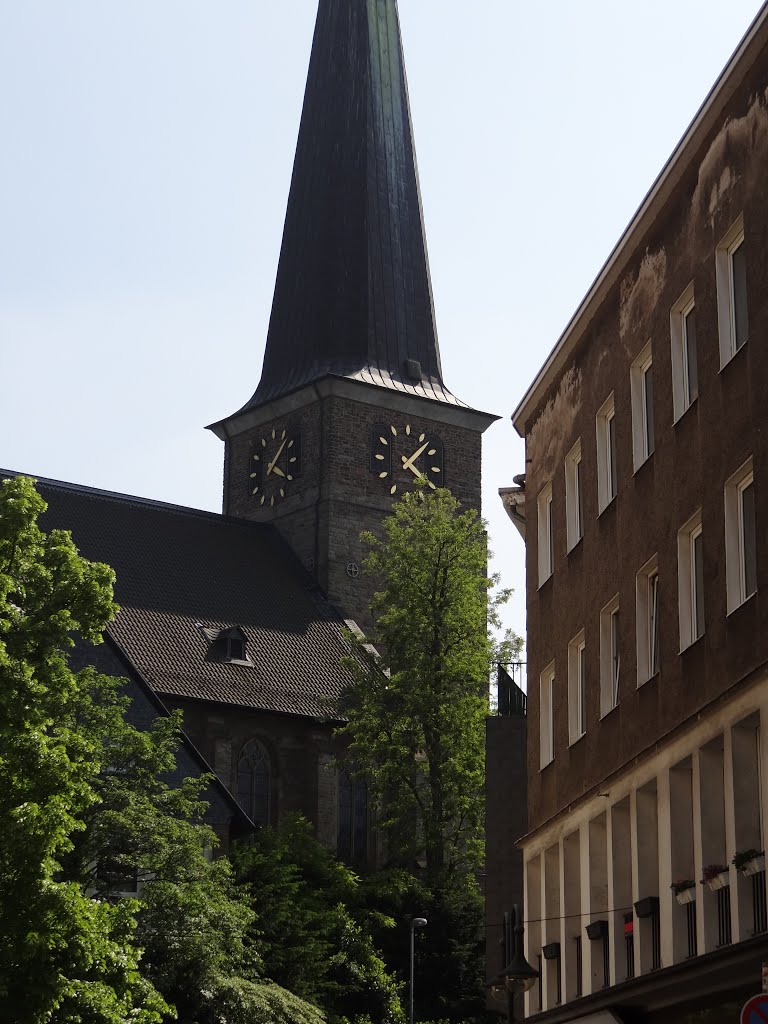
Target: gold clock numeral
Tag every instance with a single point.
(263, 442)
(282, 436)
(292, 459)
(394, 431)
(289, 477)
(435, 469)
(383, 476)
(254, 475)
(408, 429)
(272, 500)
(255, 490)
(422, 437)
(274, 433)
(393, 489)
(380, 458)
(257, 458)
(432, 451)
(263, 498)
(282, 493)
(384, 440)
(290, 444)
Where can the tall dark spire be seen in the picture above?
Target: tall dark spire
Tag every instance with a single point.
(353, 296)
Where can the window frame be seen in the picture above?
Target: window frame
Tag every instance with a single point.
(648, 602)
(729, 245)
(643, 435)
(577, 693)
(607, 477)
(610, 666)
(735, 538)
(574, 496)
(546, 543)
(682, 396)
(547, 716)
(691, 604)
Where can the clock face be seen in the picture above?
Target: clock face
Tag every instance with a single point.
(274, 462)
(402, 455)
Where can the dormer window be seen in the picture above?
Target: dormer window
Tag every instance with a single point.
(235, 648)
(228, 645)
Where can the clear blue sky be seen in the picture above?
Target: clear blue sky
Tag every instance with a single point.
(147, 152)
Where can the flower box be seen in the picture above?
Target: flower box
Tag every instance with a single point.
(686, 896)
(647, 907)
(754, 866)
(721, 881)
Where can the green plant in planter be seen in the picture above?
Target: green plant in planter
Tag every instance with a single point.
(681, 884)
(742, 857)
(712, 871)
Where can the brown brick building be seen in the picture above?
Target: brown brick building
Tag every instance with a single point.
(645, 507)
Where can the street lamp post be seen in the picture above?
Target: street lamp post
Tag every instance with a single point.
(416, 922)
(518, 975)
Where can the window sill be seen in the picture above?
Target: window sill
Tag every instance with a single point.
(639, 465)
(690, 405)
(575, 545)
(604, 714)
(572, 743)
(544, 582)
(642, 682)
(544, 767)
(732, 611)
(607, 506)
(692, 643)
(733, 355)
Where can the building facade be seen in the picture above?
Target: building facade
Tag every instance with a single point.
(645, 503)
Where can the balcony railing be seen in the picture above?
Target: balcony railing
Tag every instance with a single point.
(508, 692)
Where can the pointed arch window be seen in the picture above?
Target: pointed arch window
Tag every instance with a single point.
(254, 776)
(352, 839)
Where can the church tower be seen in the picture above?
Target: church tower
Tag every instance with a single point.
(351, 409)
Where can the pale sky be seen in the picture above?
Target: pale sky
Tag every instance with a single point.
(147, 153)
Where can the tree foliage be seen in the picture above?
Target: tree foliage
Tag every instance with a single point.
(314, 930)
(416, 722)
(63, 955)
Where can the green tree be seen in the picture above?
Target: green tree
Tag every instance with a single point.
(416, 721)
(63, 955)
(314, 930)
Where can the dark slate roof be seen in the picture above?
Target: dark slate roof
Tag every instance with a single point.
(179, 570)
(353, 296)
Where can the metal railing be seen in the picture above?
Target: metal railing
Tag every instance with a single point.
(690, 914)
(723, 916)
(508, 691)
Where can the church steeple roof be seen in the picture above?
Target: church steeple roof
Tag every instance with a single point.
(353, 296)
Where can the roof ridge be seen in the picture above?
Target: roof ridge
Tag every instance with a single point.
(135, 499)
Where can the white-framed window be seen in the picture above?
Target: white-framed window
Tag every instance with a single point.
(610, 656)
(605, 425)
(641, 384)
(574, 496)
(546, 535)
(690, 581)
(731, 272)
(648, 621)
(685, 363)
(577, 688)
(740, 536)
(547, 716)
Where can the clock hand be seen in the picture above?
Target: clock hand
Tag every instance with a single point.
(271, 466)
(277, 471)
(408, 463)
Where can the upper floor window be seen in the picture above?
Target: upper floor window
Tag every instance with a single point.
(574, 496)
(352, 835)
(610, 656)
(685, 366)
(731, 272)
(253, 782)
(740, 536)
(605, 423)
(690, 569)
(547, 716)
(546, 537)
(577, 688)
(648, 621)
(641, 381)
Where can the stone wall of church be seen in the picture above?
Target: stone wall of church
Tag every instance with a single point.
(340, 491)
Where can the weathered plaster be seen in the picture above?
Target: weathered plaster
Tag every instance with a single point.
(639, 295)
(736, 145)
(554, 426)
